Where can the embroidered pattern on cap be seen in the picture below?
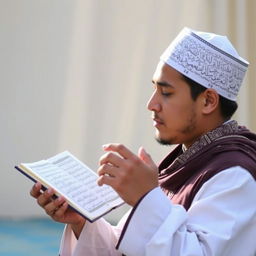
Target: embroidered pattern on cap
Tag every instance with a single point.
(206, 64)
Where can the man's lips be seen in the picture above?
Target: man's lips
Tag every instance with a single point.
(157, 121)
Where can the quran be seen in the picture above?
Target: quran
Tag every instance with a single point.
(72, 179)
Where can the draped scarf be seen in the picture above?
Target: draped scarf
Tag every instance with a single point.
(182, 173)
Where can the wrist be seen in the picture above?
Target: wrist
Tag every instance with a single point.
(78, 227)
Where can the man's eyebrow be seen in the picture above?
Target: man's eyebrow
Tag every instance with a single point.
(162, 83)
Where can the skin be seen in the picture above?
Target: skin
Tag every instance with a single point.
(177, 119)
(57, 209)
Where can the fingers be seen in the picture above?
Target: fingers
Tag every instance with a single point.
(45, 197)
(130, 175)
(54, 206)
(106, 174)
(117, 160)
(107, 180)
(107, 169)
(35, 191)
(111, 158)
(144, 156)
(60, 211)
(120, 149)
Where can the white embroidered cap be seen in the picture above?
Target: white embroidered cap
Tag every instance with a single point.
(209, 59)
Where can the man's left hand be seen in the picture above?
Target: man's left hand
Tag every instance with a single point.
(130, 175)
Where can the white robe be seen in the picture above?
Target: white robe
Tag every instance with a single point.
(220, 222)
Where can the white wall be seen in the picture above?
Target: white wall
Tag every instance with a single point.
(76, 75)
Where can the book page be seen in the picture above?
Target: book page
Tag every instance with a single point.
(75, 181)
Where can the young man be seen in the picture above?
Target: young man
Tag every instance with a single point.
(201, 199)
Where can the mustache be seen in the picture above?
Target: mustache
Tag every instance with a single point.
(156, 117)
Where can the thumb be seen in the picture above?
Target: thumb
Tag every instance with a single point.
(146, 158)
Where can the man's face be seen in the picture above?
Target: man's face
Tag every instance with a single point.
(174, 112)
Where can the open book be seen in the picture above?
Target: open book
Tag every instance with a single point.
(72, 179)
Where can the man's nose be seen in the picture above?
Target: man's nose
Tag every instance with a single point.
(153, 103)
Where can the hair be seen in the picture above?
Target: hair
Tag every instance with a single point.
(227, 107)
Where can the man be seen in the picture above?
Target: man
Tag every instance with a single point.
(201, 199)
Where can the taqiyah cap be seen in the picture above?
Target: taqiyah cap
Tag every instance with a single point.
(209, 59)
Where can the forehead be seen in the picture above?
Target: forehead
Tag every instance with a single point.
(166, 73)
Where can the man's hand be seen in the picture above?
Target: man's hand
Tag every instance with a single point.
(57, 208)
(131, 176)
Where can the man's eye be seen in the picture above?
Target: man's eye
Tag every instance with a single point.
(166, 94)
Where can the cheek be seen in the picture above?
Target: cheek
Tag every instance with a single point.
(175, 109)
(177, 114)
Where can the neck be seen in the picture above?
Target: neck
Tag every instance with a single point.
(207, 126)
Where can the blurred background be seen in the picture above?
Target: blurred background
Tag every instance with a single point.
(76, 74)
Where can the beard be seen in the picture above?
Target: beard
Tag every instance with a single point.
(188, 128)
(164, 142)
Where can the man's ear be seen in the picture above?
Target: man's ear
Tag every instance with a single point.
(210, 101)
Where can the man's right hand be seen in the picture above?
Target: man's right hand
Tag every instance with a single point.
(57, 208)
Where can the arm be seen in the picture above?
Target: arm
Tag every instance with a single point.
(98, 238)
(221, 221)
(80, 237)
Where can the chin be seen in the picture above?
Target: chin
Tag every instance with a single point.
(164, 141)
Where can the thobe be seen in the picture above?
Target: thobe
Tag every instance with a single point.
(220, 222)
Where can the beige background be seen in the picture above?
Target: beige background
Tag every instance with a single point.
(77, 74)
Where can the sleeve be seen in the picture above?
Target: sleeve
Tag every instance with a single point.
(96, 239)
(220, 221)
